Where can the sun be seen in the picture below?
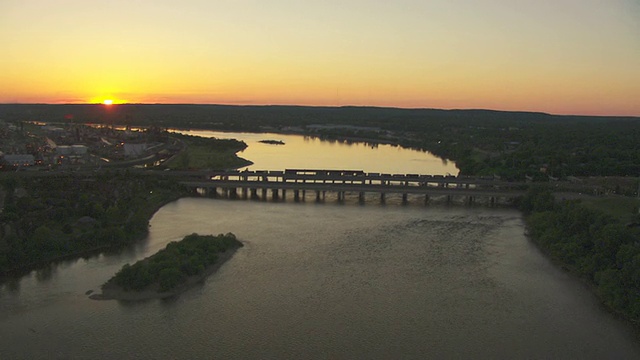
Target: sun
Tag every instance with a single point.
(108, 102)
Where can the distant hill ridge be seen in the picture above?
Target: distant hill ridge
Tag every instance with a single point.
(147, 114)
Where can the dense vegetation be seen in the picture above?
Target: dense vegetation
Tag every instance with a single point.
(46, 218)
(206, 153)
(510, 144)
(591, 244)
(174, 264)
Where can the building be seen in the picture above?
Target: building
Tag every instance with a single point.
(19, 160)
(79, 150)
(134, 150)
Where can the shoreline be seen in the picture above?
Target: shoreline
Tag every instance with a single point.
(115, 292)
(588, 284)
(95, 251)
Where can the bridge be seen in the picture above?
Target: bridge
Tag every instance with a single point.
(258, 185)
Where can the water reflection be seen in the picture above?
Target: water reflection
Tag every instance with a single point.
(45, 273)
(304, 152)
(368, 281)
(12, 285)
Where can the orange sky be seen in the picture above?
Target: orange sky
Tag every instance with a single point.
(561, 56)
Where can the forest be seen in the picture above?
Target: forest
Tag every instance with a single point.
(590, 243)
(173, 265)
(53, 217)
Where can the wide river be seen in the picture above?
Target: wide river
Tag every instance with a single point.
(302, 152)
(325, 281)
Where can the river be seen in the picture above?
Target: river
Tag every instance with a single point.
(324, 280)
(304, 152)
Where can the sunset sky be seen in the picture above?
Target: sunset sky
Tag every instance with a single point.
(556, 56)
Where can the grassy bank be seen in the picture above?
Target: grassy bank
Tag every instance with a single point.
(208, 153)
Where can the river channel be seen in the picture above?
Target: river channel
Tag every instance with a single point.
(304, 152)
(325, 281)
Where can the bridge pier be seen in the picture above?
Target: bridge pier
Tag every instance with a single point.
(284, 194)
(448, 199)
(245, 193)
(264, 194)
(361, 197)
(382, 197)
(404, 198)
(426, 199)
(254, 194)
(274, 194)
(317, 195)
(470, 200)
(340, 196)
(296, 195)
(231, 193)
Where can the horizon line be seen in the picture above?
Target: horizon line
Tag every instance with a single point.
(319, 106)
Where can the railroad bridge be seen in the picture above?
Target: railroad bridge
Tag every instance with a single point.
(299, 182)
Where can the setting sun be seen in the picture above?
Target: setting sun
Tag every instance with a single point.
(108, 102)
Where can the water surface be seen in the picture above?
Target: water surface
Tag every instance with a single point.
(325, 281)
(303, 152)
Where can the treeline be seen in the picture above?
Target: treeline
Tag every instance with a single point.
(46, 218)
(513, 145)
(174, 264)
(558, 147)
(591, 244)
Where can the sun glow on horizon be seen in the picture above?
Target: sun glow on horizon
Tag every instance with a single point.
(522, 55)
(104, 100)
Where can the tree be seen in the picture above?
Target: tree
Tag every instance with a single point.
(169, 278)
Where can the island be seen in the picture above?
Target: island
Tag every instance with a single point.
(272, 142)
(171, 270)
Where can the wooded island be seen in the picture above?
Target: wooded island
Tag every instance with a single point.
(172, 269)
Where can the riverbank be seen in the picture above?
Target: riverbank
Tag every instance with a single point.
(593, 245)
(111, 291)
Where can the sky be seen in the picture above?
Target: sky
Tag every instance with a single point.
(556, 56)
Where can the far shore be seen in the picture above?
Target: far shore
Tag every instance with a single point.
(112, 291)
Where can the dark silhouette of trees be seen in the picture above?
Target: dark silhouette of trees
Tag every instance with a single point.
(174, 264)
